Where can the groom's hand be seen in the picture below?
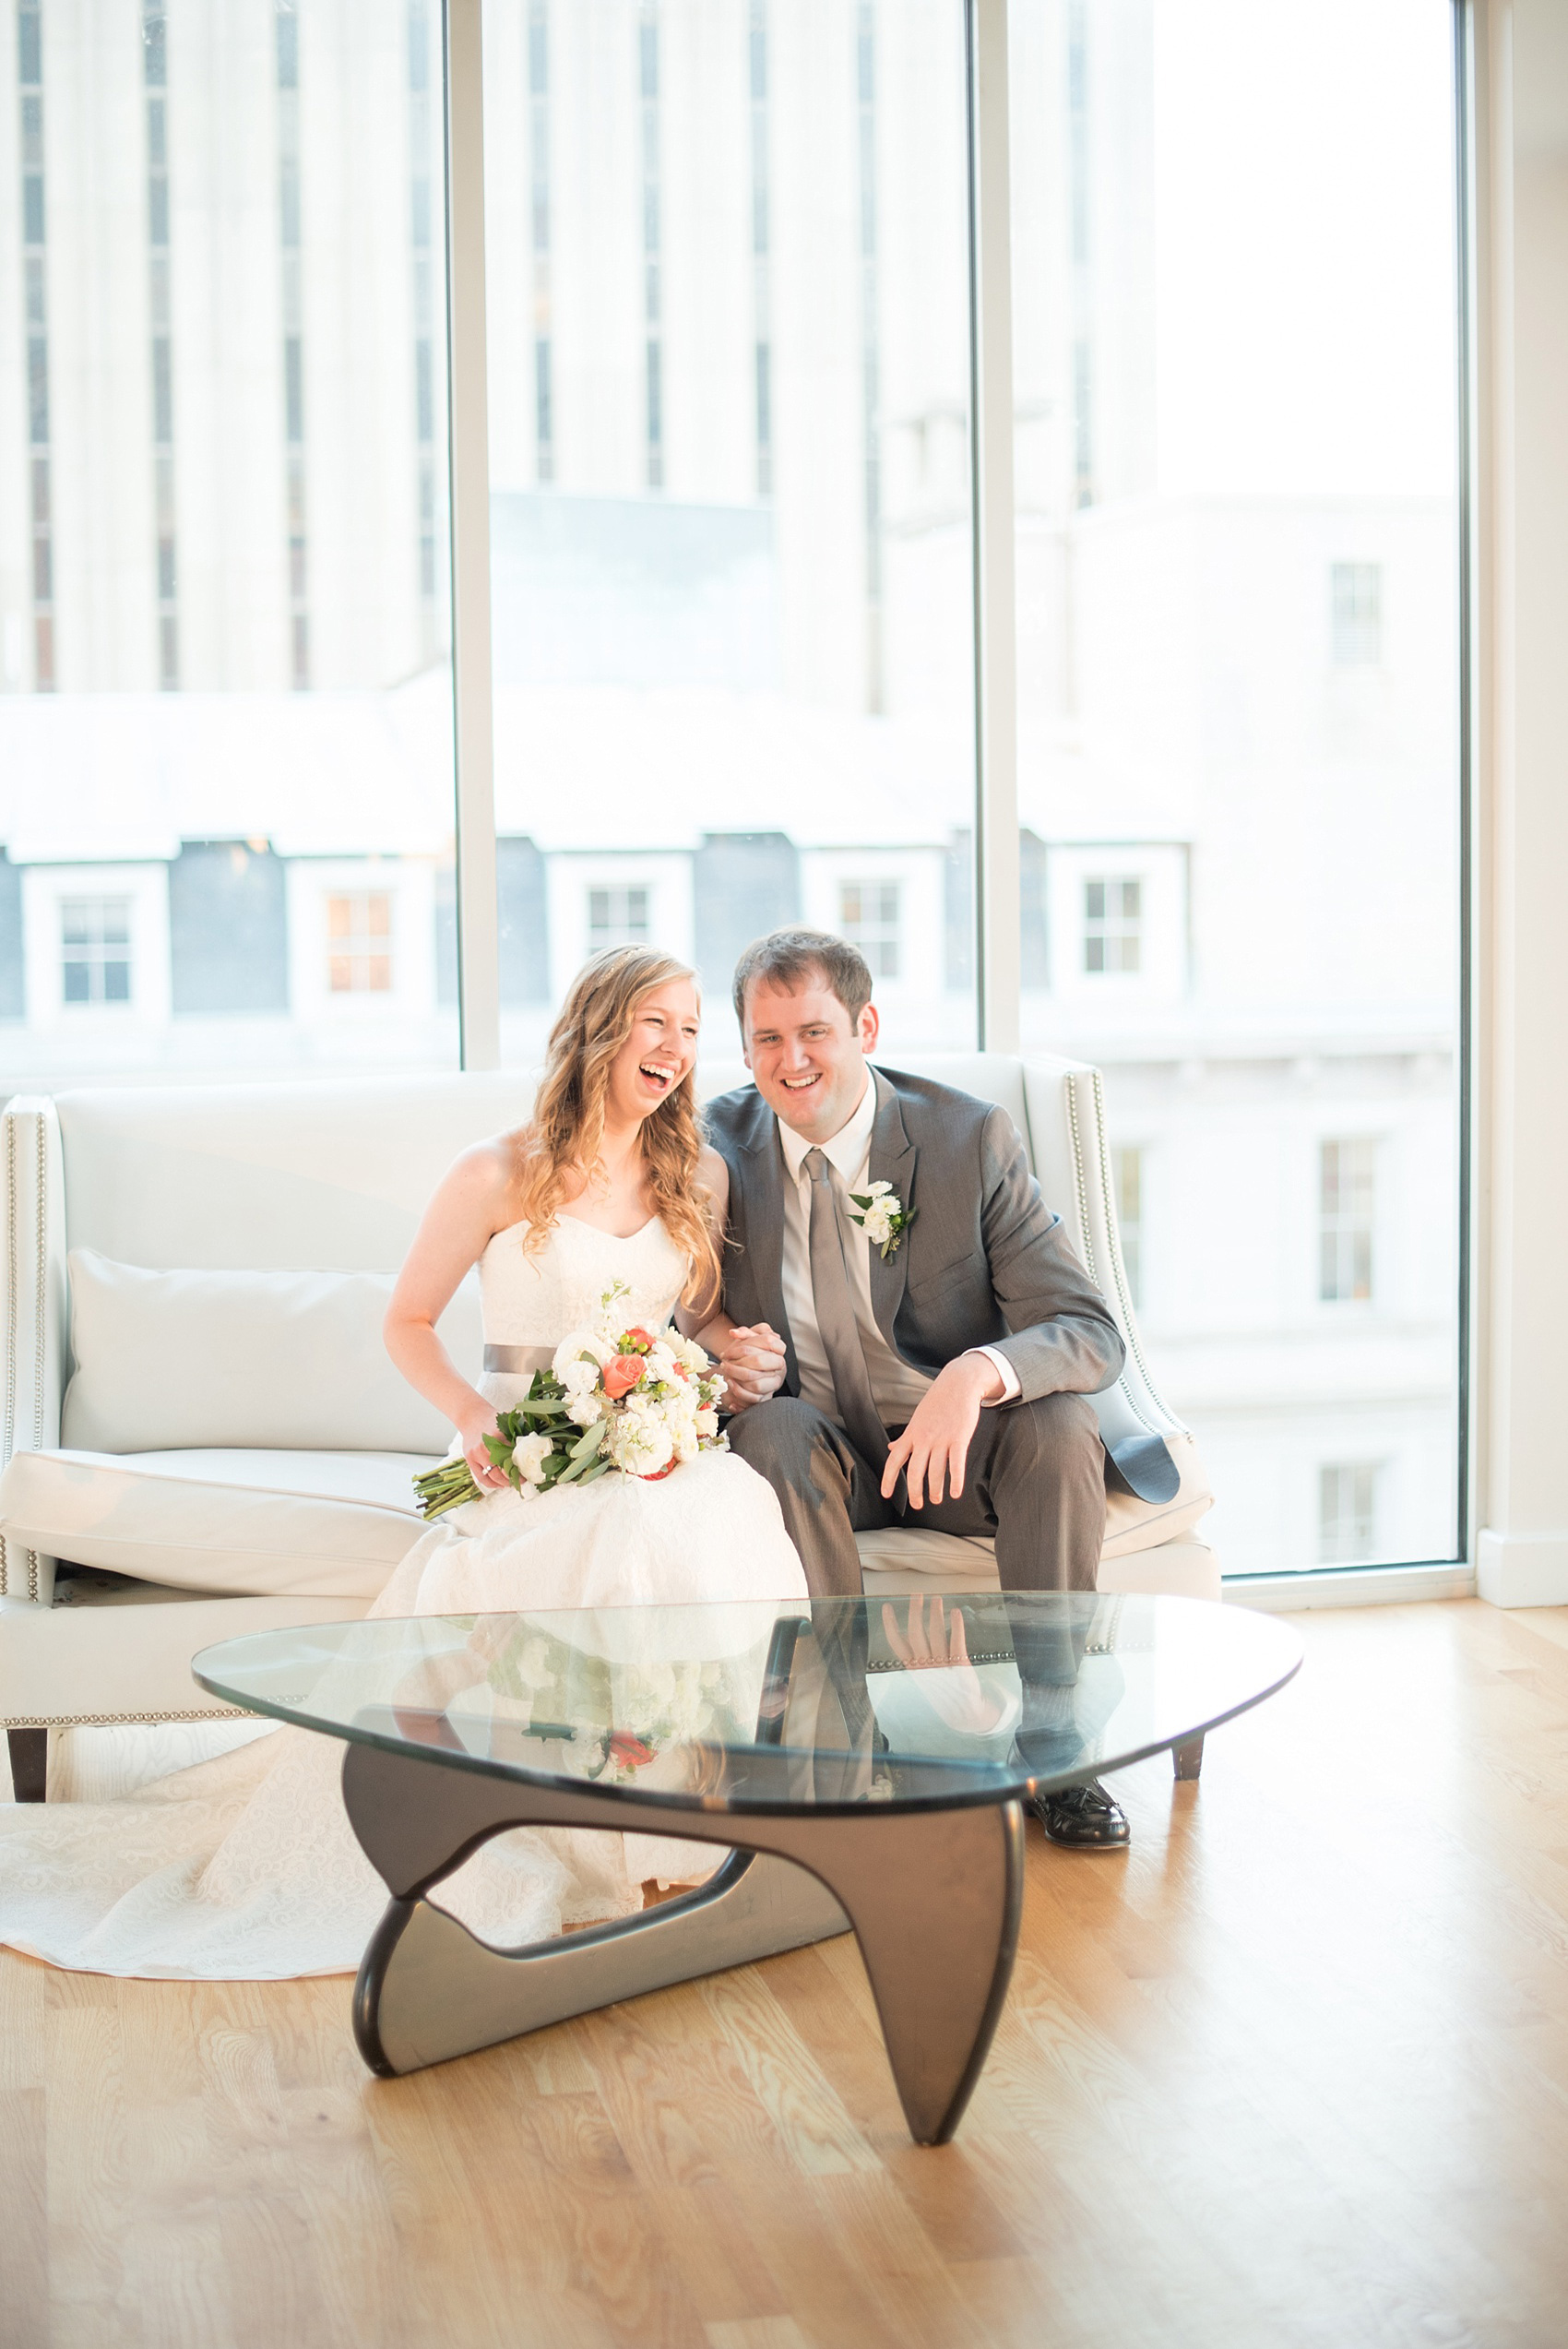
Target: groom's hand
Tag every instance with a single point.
(752, 1359)
(935, 1445)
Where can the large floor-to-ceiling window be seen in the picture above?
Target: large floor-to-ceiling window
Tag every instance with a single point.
(724, 673)
(226, 785)
(729, 496)
(1236, 540)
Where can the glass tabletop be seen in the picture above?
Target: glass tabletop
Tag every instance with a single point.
(820, 1704)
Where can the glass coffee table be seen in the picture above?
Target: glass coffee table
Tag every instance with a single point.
(864, 1763)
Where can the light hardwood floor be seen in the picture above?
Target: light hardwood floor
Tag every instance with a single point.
(1294, 2072)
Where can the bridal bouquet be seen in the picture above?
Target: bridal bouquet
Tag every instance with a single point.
(612, 1397)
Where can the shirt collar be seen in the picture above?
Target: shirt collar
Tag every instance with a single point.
(850, 1145)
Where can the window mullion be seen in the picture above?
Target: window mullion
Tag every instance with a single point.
(468, 409)
(999, 959)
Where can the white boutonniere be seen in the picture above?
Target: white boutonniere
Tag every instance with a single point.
(882, 1217)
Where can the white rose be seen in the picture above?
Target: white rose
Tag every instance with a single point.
(707, 1423)
(687, 1350)
(877, 1225)
(876, 1190)
(570, 1355)
(660, 1363)
(530, 1452)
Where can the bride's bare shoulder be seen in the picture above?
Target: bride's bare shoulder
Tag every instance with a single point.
(483, 1179)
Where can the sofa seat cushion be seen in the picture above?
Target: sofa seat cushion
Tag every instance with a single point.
(896, 1559)
(307, 1524)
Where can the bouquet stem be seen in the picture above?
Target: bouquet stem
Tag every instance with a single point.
(445, 1487)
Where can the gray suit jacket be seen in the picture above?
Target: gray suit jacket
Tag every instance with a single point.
(984, 1262)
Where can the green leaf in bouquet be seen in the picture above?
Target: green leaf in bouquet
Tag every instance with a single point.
(582, 1452)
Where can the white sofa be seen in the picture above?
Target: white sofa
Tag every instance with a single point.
(230, 1450)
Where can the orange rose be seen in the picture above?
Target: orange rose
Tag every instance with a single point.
(638, 1340)
(622, 1373)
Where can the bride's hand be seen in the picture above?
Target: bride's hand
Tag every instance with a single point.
(474, 1430)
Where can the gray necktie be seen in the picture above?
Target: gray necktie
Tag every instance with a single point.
(835, 1303)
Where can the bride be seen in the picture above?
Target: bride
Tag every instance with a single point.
(245, 1868)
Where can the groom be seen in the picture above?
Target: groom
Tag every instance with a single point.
(943, 1373)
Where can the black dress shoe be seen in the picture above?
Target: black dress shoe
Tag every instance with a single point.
(1083, 1817)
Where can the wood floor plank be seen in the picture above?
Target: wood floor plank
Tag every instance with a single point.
(24, 2136)
(91, 2184)
(793, 2087)
(758, 2332)
(678, 2091)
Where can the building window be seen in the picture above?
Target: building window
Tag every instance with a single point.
(358, 932)
(286, 59)
(155, 76)
(422, 207)
(618, 917)
(29, 74)
(871, 348)
(95, 949)
(653, 243)
(1356, 592)
(541, 226)
(762, 239)
(1347, 1512)
(868, 917)
(1127, 1175)
(1347, 1184)
(1113, 915)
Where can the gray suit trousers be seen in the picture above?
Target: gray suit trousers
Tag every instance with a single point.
(1035, 1478)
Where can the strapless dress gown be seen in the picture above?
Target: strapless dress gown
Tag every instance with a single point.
(244, 1868)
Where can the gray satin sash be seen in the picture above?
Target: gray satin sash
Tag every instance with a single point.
(517, 1362)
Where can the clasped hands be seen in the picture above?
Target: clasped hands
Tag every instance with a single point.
(751, 1357)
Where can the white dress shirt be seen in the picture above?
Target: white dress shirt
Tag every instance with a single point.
(895, 1387)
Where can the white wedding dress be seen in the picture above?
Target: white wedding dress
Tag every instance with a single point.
(246, 1868)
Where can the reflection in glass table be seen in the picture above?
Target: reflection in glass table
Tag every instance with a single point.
(854, 1787)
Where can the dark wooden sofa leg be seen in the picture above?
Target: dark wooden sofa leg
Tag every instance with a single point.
(1188, 1758)
(30, 1763)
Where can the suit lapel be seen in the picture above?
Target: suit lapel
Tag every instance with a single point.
(764, 1228)
(893, 1157)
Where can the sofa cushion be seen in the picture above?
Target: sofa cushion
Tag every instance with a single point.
(900, 1559)
(273, 1361)
(312, 1524)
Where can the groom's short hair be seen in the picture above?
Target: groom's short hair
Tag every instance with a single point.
(788, 959)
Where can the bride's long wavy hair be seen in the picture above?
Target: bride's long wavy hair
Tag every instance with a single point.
(567, 1129)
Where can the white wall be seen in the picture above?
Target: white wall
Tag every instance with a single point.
(1522, 1254)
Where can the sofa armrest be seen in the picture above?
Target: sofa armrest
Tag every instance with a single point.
(33, 1309)
(1153, 1451)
